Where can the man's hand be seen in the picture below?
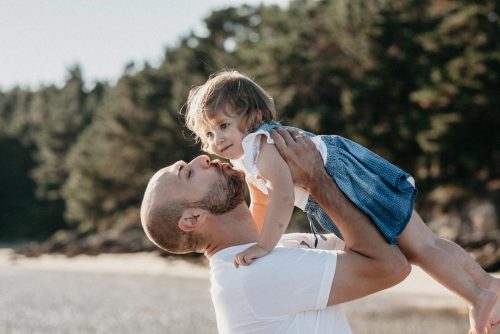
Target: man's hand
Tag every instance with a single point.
(301, 155)
(250, 254)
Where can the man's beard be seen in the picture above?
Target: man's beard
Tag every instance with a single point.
(227, 191)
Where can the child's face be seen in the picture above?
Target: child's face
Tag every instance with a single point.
(223, 137)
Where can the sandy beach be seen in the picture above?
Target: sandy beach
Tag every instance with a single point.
(144, 293)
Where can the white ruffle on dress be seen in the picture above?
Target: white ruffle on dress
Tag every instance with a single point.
(248, 163)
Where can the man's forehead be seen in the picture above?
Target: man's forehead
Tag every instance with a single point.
(166, 174)
(172, 169)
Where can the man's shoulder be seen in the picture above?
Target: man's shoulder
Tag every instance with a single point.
(280, 258)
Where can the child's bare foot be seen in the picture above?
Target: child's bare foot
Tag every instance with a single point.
(494, 320)
(495, 314)
(479, 314)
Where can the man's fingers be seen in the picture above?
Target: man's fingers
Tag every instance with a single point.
(291, 135)
(278, 139)
(284, 139)
(288, 135)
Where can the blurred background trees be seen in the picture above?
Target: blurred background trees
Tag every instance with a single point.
(415, 81)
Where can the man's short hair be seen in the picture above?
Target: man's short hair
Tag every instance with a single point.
(161, 226)
(160, 221)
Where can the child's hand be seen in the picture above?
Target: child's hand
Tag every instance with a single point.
(246, 257)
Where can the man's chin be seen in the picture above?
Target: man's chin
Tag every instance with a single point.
(227, 191)
(234, 178)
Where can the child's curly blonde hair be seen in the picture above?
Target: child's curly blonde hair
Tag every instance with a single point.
(230, 92)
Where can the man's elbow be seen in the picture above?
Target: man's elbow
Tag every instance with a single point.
(396, 268)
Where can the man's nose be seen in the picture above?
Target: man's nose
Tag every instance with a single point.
(202, 161)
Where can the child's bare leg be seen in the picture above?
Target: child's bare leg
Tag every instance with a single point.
(467, 262)
(420, 245)
(481, 277)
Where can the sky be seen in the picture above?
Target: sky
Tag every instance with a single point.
(41, 39)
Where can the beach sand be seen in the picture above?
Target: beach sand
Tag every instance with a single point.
(145, 293)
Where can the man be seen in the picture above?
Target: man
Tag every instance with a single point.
(199, 207)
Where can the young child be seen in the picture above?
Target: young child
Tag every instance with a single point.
(233, 117)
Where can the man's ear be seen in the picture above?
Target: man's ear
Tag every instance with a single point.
(191, 219)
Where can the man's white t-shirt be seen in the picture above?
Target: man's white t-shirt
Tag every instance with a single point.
(284, 292)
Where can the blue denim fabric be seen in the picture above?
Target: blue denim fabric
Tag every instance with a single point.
(377, 187)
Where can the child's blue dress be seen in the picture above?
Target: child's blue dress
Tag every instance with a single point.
(381, 190)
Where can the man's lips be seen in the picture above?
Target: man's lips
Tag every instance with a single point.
(220, 165)
(226, 169)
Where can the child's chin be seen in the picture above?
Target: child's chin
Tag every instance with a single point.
(235, 157)
(231, 156)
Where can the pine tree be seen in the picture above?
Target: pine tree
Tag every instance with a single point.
(133, 134)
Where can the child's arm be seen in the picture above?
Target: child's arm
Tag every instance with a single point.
(279, 210)
(258, 205)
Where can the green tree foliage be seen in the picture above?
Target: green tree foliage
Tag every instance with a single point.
(61, 117)
(47, 123)
(384, 113)
(135, 132)
(22, 215)
(431, 98)
(416, 81)
(463, 89)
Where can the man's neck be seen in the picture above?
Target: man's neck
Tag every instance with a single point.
(231, 229)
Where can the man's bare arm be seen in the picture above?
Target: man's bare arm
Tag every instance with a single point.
(306, 240)
(369, 263)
